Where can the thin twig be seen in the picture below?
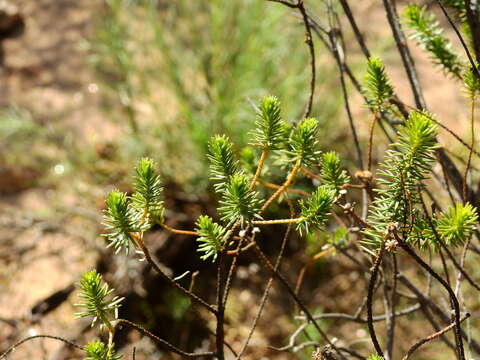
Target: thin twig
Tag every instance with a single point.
(154, 265)
(472, 135)
(220, 332)
(299, 5)
(432, 337)
(360, 320)
(311, 48)
(356, 31)
(269, 285)
(17, 344)
(453, 298)
(402, 47)
(276, 187)
(264, 260)
(371, 286)
(281, 189)
(436, 310)
(460, 37)
(163, 342)
(180, 232)
(341, 69)
(261, 163)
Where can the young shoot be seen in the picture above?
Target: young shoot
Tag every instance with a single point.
(211, 240)
(97, 300)
(239, 203)
(429, 35)
(222, 161)
(315, 211)
(332, 173)
(97, 350)
(378, 90)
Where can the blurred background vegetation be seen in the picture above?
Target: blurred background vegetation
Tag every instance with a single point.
(92, 86)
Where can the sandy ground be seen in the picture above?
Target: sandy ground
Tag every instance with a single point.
(45, 70)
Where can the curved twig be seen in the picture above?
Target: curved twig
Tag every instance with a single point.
(165, 343)
(17, 344)
(432, 337)
(371, 287)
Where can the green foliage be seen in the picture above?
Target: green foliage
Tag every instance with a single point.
(458, 5)
(174, 94)
(332, 173)
(96, 299)
(406, 166)
(269, 127)
(211, 240)
(429, 35)
(238, 201)
(375, 357)
(302, 147)
(30, 145)
(97, 350)
(125, 215)
(120, 220)
(248, 160)
(457, 224)
(471, 84)
(222, 162)
(377, 85)
(147, 199)
(314, 211)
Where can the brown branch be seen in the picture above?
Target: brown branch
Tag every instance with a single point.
(163, 342)
(402, 47)
(220, 331)
(282, 188)
(139, 241)
(432, 337)
(264, 260)
(276, 187)
(472, 134)
(453, 298)
(180, 232)
(460, 37)
(371, 287)
(436, 310)
(269, 285)
(17, 344)
(311, 48)
(370, 139)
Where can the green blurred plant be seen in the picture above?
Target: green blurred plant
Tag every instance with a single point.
(429, 35)
(183, 71)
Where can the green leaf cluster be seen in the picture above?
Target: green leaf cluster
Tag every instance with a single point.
(147, 199)
(97, 350)
(120, 219)
(125, 215)
(211, 237)
(471, 84)
(457, 224)
(222, 161)
(429, 35)
(269, 126)
(332, 173)
(97, 301)
(407, 164)
(315, 211)
(238, 201)
(377, 88)
(302, 146)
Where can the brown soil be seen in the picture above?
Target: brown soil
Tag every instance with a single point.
(45, 70)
